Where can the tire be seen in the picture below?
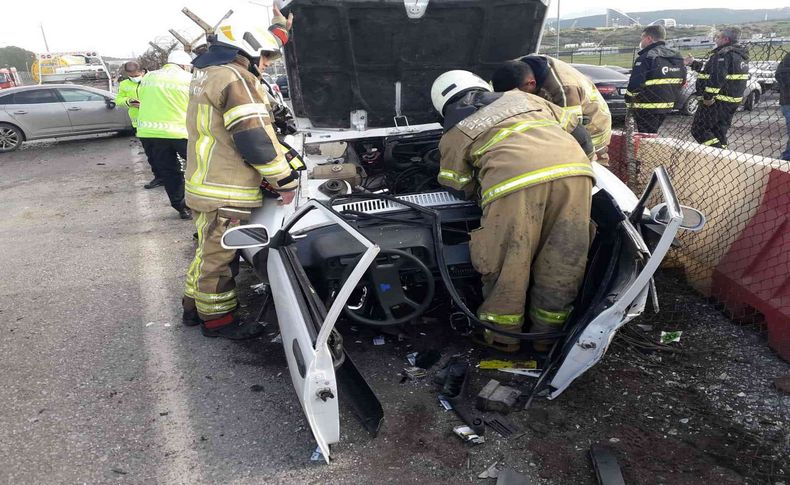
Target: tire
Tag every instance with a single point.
(11, 138)
(751, 101)
(691, 106)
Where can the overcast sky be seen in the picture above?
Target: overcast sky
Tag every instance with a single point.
(123, 28)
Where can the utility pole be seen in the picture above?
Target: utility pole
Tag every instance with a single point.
(558, 29)
(46, 46)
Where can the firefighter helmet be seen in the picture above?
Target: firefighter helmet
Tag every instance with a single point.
(451, 84)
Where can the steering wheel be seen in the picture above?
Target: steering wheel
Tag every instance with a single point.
(384, 280)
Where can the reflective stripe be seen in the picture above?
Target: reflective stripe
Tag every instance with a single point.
(567, 117)
(536, 177)
(651, 105)
(728, 99)
(703, 76)
(215, 297)
(204, 145)
(629, 93)
(171, 128)
(215, 308)
(510, 320)
(737, 76)
(276, 167)
(710, 142)
(244, 111)
(712, 90)
(669, 80)
(220, 192)
(190, 285)
(517, 128)
(548, 317)
(599, 140)
(453, 176)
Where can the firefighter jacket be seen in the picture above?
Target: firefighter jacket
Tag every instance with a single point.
(232, 144)
(656, 79)
(574, 92)
(127, 91)
(517, 141)
(164, 95)
(724, 75)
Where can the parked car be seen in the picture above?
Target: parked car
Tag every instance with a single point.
(282, 81)
(371, 237)
(57, 110)
(688, 103)
(611, 84)
(626, 71)
(764, 72)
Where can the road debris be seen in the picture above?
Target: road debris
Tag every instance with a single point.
(607, 470)
(491, 472)
(496, 397)
(509, 476)
(502, 426)
(468, 435)
(379, 340)
(507, 364)
(670, 337)
(414, 373)
(317, 455)
(445, 403)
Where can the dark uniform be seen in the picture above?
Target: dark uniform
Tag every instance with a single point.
(722, 78)
(656, 80)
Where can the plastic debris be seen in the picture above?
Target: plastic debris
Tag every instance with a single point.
(414, 373)
(379, 340)
(511, 477)
(412, 358)
(523, 372)
(614, 440)
(278, 339)
(685, 420)
(150, 323)
(508, 364)
(670, 337)
(445, 403)
(468, 435)
(491, 472)
(317, 455)
(260, 288)
(645, 328)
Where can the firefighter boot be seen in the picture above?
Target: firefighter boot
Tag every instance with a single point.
(231, 327)
(190, 316)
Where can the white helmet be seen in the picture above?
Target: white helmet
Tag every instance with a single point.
(453, 83)
(249, 37)
(179, 57)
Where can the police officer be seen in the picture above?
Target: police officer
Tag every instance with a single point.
(656, 80)
(232, 149)
(560, 83)
(161, 124)
(720, 84)
(528, 160)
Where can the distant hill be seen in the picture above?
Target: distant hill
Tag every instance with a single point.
(694, 16)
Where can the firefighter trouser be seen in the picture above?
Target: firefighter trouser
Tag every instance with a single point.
(542, 231)
(210, 284)
(648, 121)
(163, 156)
(711, 123)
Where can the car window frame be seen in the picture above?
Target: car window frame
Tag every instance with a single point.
(58, 98)
(58, 90)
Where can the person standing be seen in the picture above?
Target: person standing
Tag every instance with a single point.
(721, 83)
(560, 83)
(783, 77)
(161, 123)
(526, 158)
(128, 97)
(233, 149)
(656, 80)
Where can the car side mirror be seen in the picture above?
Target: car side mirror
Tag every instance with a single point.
(248, 236)
(110, 103)
(693, 220)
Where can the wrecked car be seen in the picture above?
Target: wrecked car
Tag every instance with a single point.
(373, 239)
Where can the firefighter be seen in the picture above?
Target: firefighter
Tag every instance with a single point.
(526, 159)
(232, 150)
(656, 80)
(783, 79)
(161, 124)
(129, 98)
(560, 83)
(720, 85)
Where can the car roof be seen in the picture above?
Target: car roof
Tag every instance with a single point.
(19, 89)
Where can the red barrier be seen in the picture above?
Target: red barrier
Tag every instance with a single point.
(755, 272)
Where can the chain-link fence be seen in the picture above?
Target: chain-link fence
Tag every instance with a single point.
(742, 257)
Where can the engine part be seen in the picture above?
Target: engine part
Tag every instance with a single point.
(337, 171)
(334, 187)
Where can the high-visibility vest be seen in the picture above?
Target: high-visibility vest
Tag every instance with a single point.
(127, 91)
(164, 97)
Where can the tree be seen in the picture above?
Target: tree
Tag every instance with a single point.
(17, 57)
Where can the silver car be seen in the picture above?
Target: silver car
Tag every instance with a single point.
(57, 110)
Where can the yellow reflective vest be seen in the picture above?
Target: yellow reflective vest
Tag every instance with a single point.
(164, 96)
(128, 91)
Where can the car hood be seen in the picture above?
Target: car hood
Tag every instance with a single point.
(381, 56)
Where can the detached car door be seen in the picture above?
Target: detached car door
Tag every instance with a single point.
(38, 112)
(306, 328)
(91, 111)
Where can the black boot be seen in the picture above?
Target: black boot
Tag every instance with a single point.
(190, 318)
(185, 213)
(231, 328)
(156, 182)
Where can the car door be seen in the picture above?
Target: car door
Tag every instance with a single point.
(38, 112)
(90, 111)
(306, 329)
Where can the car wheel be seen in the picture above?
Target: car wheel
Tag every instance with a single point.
(11, 138)
(691, 106)
(751, 101)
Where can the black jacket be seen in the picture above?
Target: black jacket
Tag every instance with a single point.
(656, 79)
(783, 77)
(724, 75)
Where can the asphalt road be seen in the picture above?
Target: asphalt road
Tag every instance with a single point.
(100, 381)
